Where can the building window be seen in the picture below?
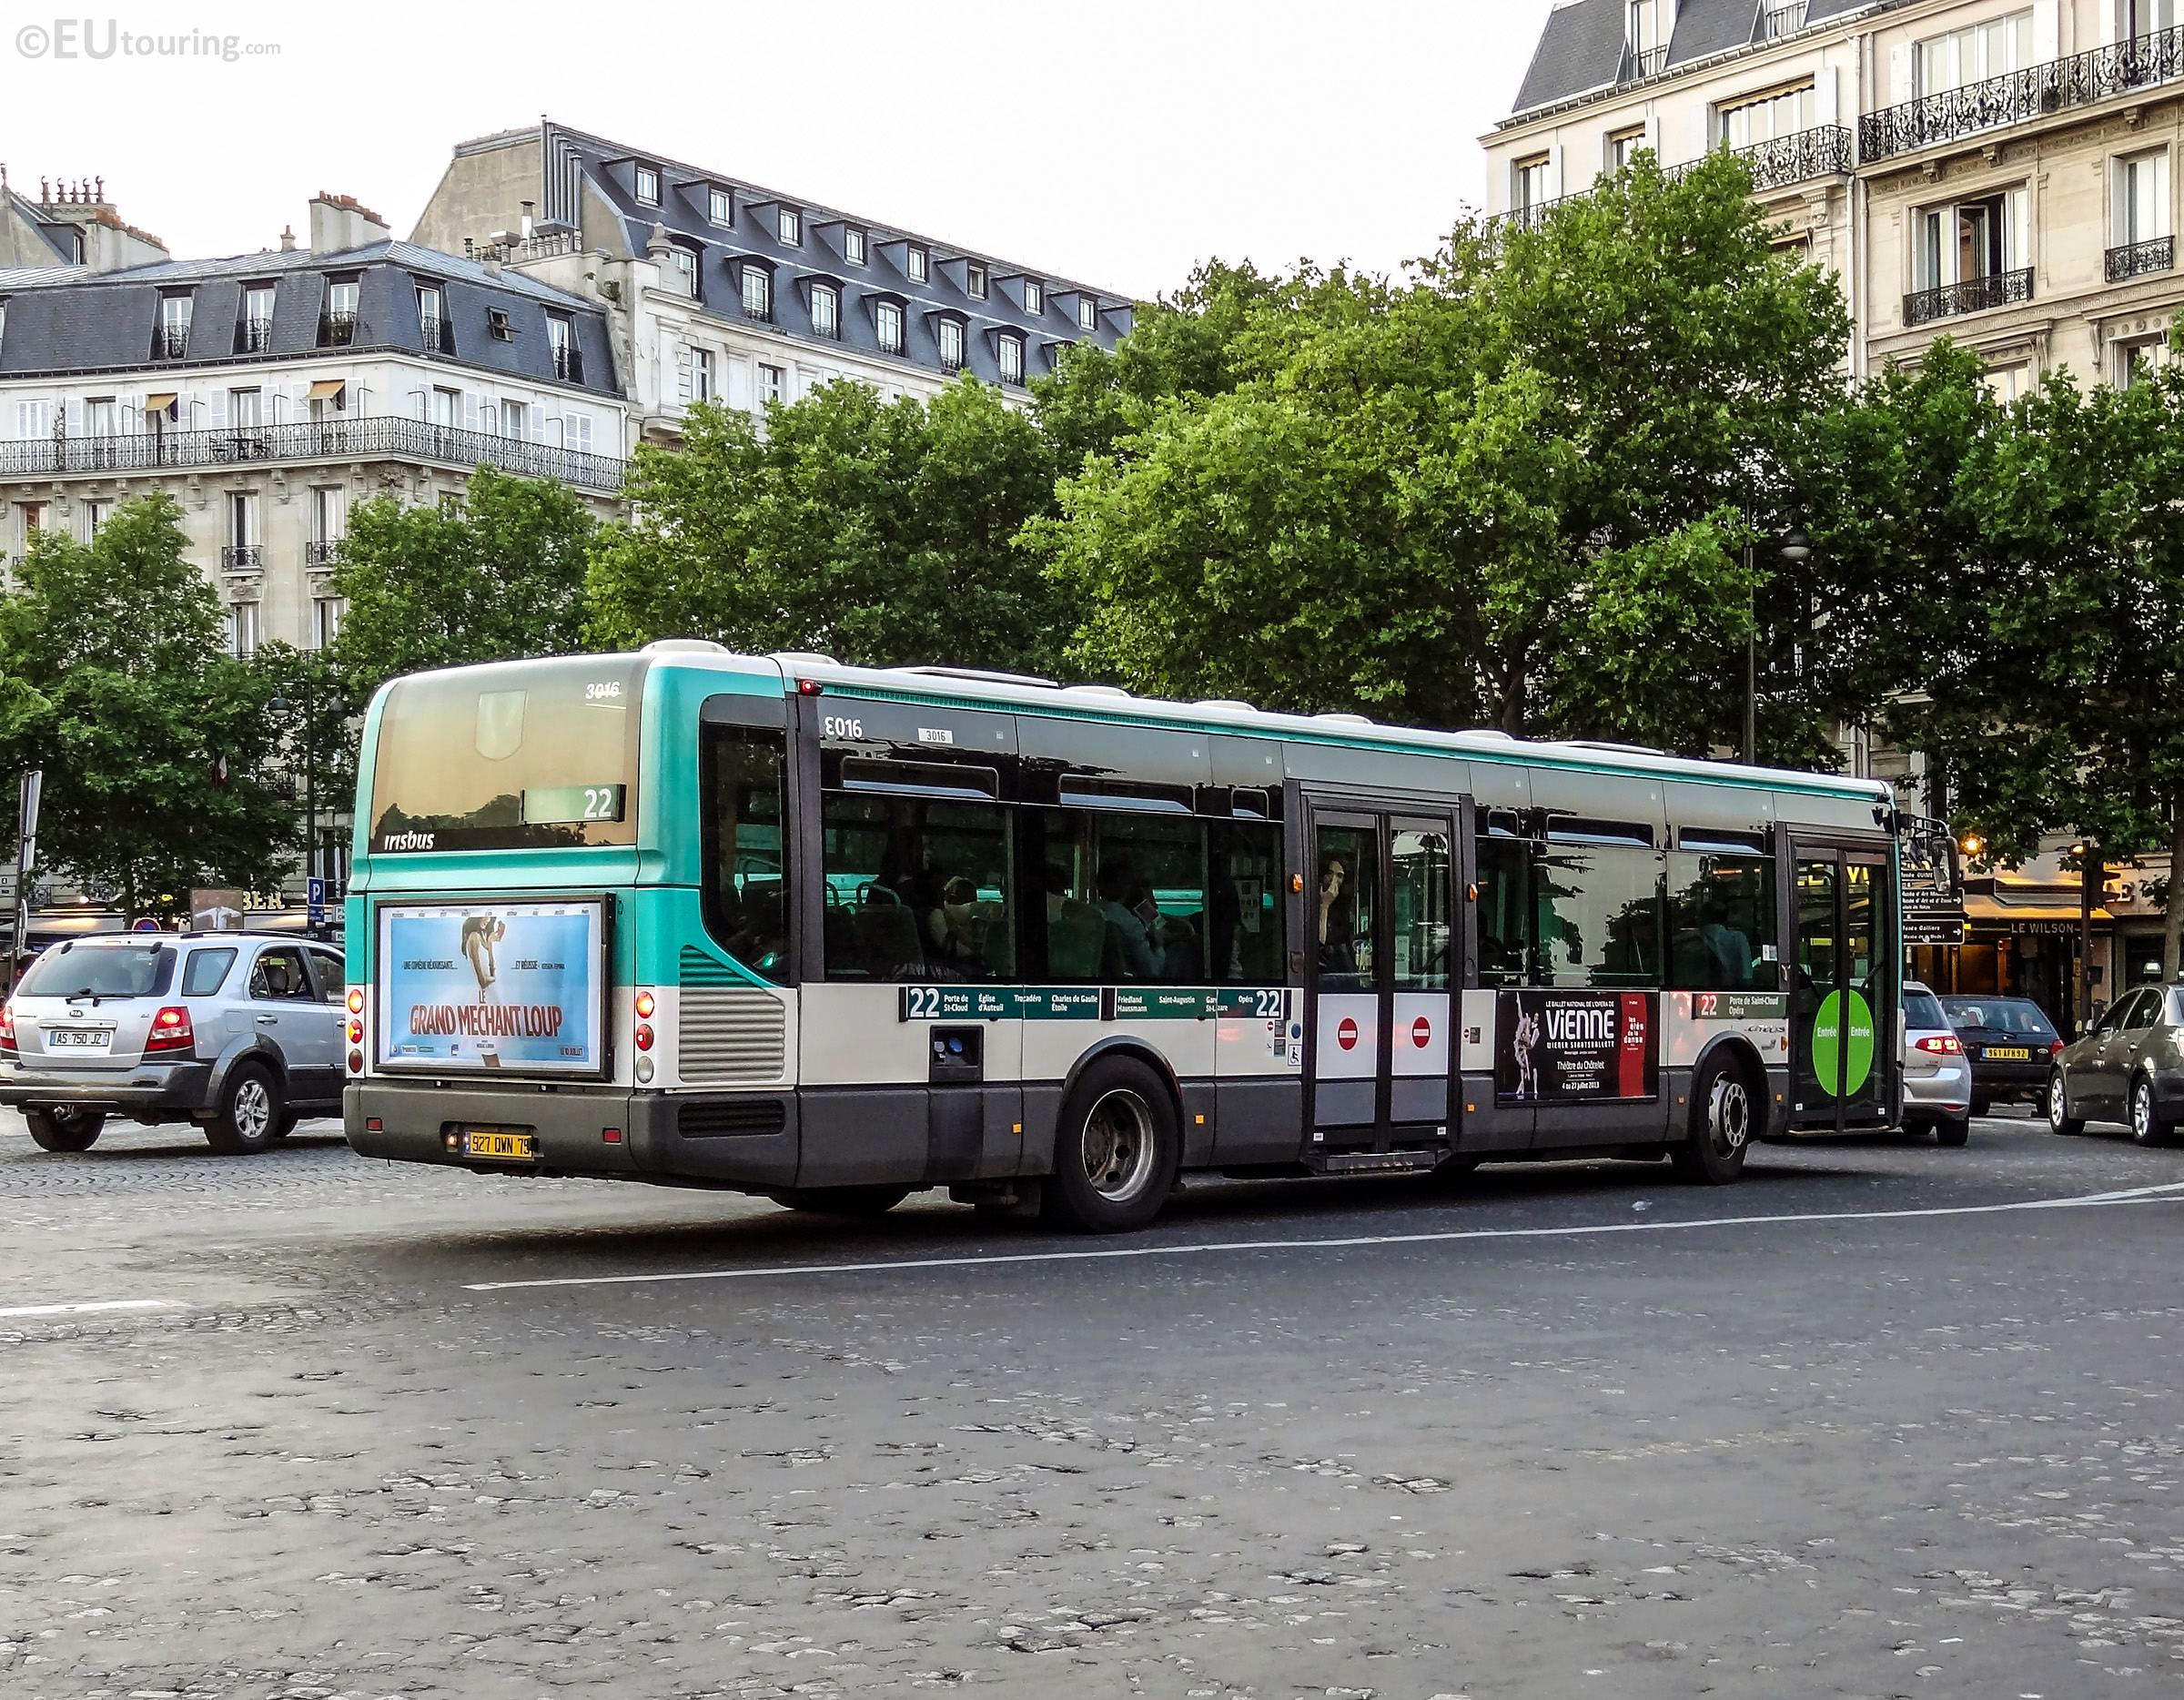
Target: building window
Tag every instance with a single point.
(1009, 350)
(1528, 183)
(242, 630)
(560, 342)
(242, 524)
(101, 418)
(1035, 297)
(1623, 147)
(326, 614)
(447, 409)
(719, 205)
(338, 328)
(432, 319)
(1973, 240)
(853, 245)
(246, 408)
(1088, 312)
(974, 279)
(1973, 54)
(2137, 18)
(498, 325)
(648, 186)
(1746, 123)
(2007, 383)
(257, 328)
(97, 511)
(772, 382)
(2138, 359)
(514, 415)
(887, 326)
(2139, 200)
(758, 292)
(789, 226)
(329, 524)
(920, 262)
(951, 345)
(826, 310)
(701, 374)
(174, 326)
(33, 421)
(682, 272)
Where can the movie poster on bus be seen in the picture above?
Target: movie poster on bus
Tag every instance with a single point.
(491, 987)
(1575, 1047)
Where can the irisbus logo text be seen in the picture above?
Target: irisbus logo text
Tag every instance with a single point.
(407, 841)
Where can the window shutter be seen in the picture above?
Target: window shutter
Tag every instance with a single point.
(73, 415)
(1701, 140)
(469, 411)
(739, 384)
(1554, 172)
(2020, 253)
(684, 382)
(219, 409)
(1653, 137)
(1901, 61)
(1827, 98)
(583, 433)
(2110, 23)
(2046, 31)
(538, 422)
(2159, 223)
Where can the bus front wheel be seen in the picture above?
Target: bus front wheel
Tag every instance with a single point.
(1116, 1150)
(1723, 1114)
(842, 1200)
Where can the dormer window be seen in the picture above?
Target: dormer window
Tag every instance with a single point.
(432, 319)
(1087, 313)
(853, 245)
(758, 293)
(337, 324)
(648, 186)
(497, 325)
(887, 326)
(254, 335)
(789, 226)
(171, 340)
(1010, 352)
(974, 279)
(951, 345)
(682, 272)
(826, 310)
(719, 205)
(920, 261)
(1034, 296)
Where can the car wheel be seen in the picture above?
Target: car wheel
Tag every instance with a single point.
(2059, 1119)
(1957, 1132)
(2147, 1127)
(1981, 1107)
(63, 1130)
(841, 1200)
(250, 1110)
(1723, 1122)
(1116, 1150)
(287, 1124)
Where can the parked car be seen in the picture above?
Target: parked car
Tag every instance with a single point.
(1937, 1080)
(2011, 1044)
(2129, 1069)
(239, 1033)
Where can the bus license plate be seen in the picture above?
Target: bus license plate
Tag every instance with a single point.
(497, 1147)
(2008, 1053)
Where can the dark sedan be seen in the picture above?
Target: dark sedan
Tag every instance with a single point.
(2010, 1044)
(2129, 1069)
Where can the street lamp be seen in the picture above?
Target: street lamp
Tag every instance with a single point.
(1796, 549)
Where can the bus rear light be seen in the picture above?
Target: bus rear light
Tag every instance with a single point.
(643, 1036)
(644, 1071)
(171, 1032)
(356, 1062)
(356, 1000)
(1941, 1045)
(356, 1032)
(645, 1006)
(611, 1136)
(372, 1124)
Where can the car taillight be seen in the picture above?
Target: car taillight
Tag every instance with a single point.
(2054, 1047)
(171, 1031)
(7, 1030)
(1941, 1045)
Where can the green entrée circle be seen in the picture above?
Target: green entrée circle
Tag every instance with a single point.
(1828, 1041)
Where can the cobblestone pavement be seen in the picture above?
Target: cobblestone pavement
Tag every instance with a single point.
(1287, 1446)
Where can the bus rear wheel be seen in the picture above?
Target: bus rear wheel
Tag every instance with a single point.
(1723, 1123)
(1115, 1151)
(842, 1200)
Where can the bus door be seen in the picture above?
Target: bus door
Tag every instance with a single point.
(1384, 952)
(1843, 1063)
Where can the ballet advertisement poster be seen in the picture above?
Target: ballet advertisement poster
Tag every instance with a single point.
(514, 987)
(1574, 1046)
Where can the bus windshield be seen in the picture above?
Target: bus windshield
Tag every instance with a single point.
(517, 755)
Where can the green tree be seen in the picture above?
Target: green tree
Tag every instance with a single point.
(876, 532)
(154, 742)
(496, 575)
(1511, 489)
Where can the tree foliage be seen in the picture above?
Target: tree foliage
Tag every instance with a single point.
(1511, 489)
(155, 744)
(875, 532)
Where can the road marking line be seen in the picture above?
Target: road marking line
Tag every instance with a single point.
(2136, 1195)
(102, 1304)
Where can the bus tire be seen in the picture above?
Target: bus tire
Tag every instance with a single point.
(841, 1200)
(62, 1129)
(1116, 1150)
(1723, 1115)
(250, 1110)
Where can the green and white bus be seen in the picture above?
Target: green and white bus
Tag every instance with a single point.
(833, 935)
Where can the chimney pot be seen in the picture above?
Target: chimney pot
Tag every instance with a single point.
(288, 239)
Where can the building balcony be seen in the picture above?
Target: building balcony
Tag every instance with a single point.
(436, 334)
(2038, 91)
(243, 558)
(1823, 151)
(1637, 67)
(387, 438)
(254, 336)
(321, 554)
(1975, 295)
(569, 364)
(170, 342)
(338, 330)
(2141, 259)
(1778, 21)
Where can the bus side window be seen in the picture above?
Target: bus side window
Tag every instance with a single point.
(743, 806)
(1505, 911)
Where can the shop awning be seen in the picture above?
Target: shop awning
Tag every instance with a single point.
(325, 387)
(160, 404)
(1982, 910)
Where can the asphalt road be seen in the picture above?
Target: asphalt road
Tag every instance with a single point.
(1885, 1420)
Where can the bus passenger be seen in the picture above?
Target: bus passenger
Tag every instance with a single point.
(1118, 891)
(1337, 919)
(954, 929)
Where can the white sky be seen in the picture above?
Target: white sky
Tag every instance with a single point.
(1113, 141)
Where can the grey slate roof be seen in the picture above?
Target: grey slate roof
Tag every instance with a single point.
(1706, 27)
(609, 169)
(58, 237)
(1581, 49)
(70, 320)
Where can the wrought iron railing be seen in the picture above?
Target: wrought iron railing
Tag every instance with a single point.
(338, 331)
(1822, 151)
(170, 342)
(1778, 21)
(2142, 260)
(347, 440)
(1637, 66)
(2015, 96)
(1975, 295)
(242, 558)
(569, 363)
(321, 554)
(254, 336)
(436, 334)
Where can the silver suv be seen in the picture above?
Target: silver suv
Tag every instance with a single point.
(239, 1032)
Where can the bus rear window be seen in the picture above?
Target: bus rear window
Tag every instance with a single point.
(519, 756)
